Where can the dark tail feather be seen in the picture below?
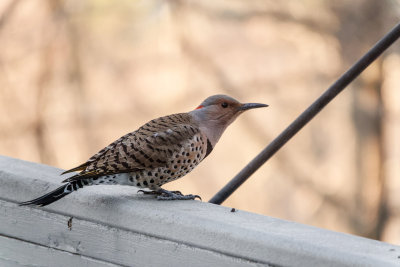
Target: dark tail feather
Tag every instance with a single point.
(51, 197)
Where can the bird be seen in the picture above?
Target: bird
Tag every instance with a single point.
(160, 151)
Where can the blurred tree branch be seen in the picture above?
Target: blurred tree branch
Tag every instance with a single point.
(39, 124)
(8, 11)
(241, 16)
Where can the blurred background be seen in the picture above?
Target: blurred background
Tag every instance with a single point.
(76, 75)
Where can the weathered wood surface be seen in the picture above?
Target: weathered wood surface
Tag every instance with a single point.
(112, 225)
(16, 252)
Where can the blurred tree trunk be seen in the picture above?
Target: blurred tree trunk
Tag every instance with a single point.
(363, 20)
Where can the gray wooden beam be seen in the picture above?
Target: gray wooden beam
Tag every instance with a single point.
(114, 225)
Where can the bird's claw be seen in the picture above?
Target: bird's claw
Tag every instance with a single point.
(197, 196)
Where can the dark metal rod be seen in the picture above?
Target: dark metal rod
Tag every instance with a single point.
(307, 115)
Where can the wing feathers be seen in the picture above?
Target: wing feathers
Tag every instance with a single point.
(150, 146)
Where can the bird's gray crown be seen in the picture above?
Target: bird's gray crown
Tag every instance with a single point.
(216, 99)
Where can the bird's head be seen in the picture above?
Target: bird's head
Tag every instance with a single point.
(216, 112)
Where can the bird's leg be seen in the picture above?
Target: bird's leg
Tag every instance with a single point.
(174, 195)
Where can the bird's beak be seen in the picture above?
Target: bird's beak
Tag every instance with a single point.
(248, 106)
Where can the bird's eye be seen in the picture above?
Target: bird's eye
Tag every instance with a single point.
(224, 105)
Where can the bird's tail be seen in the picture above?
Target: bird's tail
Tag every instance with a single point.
(55, 195)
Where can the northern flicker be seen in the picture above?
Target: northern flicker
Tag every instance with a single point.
(159, 152)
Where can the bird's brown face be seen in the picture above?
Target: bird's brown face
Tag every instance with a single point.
(220, 108)
(224, 108)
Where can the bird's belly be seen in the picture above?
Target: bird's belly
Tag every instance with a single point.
(111, 179)
(179, 164)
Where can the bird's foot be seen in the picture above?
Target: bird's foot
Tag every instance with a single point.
(175, 195)
(158, 193)
(149, 192)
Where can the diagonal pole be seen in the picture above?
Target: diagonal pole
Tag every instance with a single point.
(307, 115)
